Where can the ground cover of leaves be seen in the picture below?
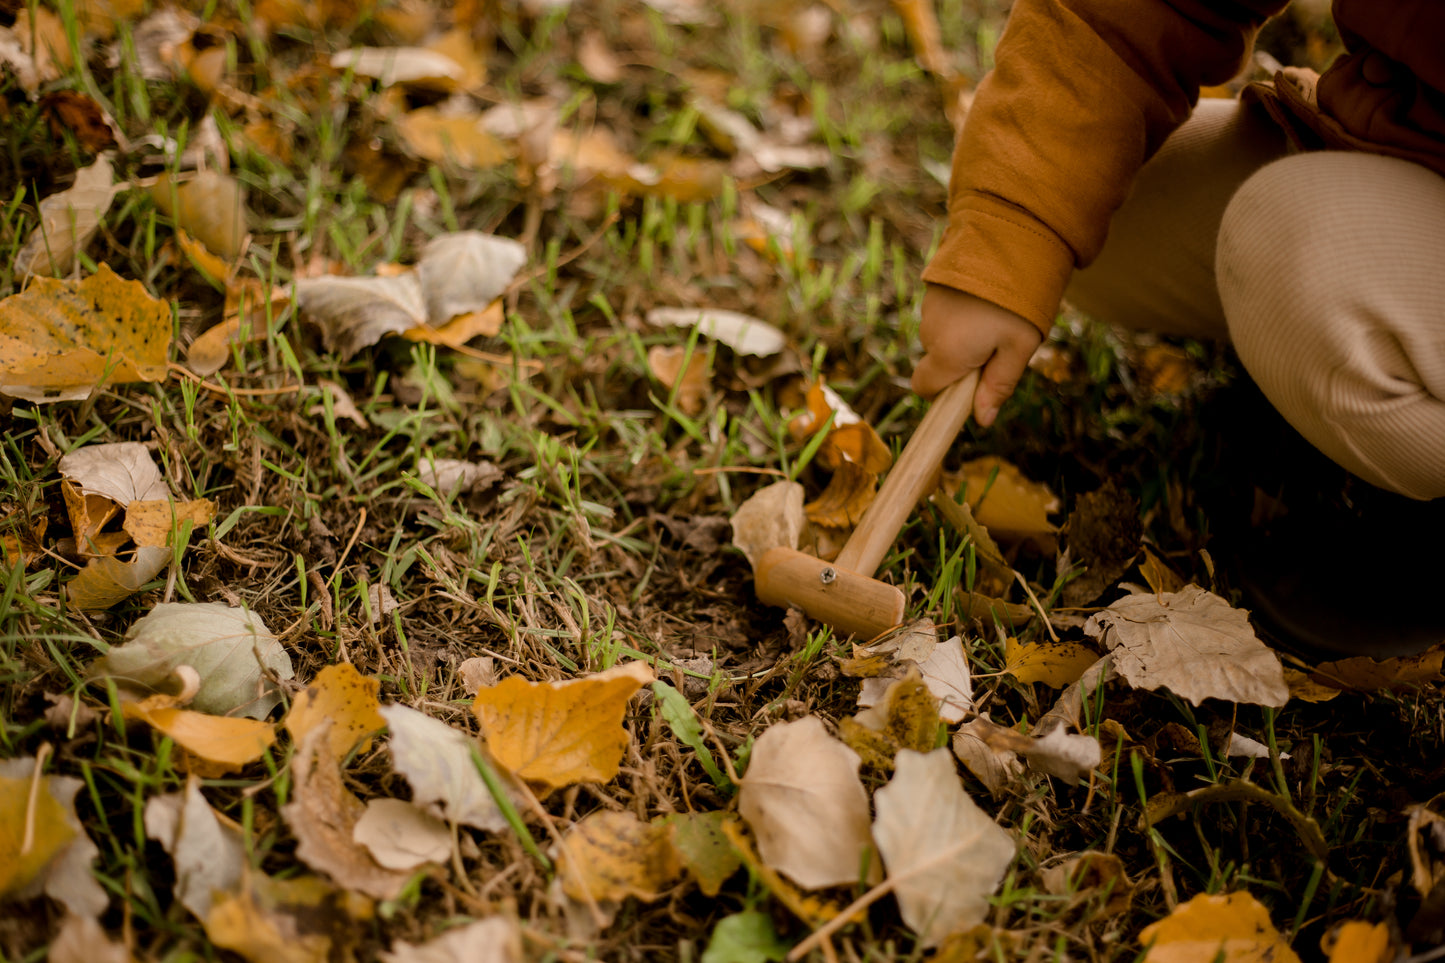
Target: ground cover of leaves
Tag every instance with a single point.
(377, 512)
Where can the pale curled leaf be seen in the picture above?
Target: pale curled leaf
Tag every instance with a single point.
(803, 799)
(231, 650)
(68, 220)
(496, 939)
(744, 334)
(400, 835)
(209, 854)
(1191, 642)
(399, 65)
(437, 761)
(772, 517)
(355, 313)
(944, 854)
(466, 271)
(122, 471)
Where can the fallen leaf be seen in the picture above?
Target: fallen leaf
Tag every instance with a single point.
(437, 762)
(1306, 689)
(210, 206)
(460, 139)
(596, 58)
(323, 815)
(1364, 674)
(994, 765)
(803, 800)
(1055, 664)
(68, 220)
(466, 271)
(1102, 534)
(209, 853)
(152, 523)
(947, 676)
(850, 491)
(301, 919)
(905, 718)
(555, 734)
(81, 940)
(610, 856)
(1356, 941)
(944, 855)
(1069, 756)
(496, 939)
(1091, 875)
(231, 651)
(1233, 925)
(681, 371)
(120, 471)
(1247, 748)
(744, 334)
(1191, 642)
(109, 580)
(215, 745)
(65, 872)
(703, 848)
(400, 835)
(1010, 506)
(345, 700)
(354, 313)
(746, 937)
(771, 517)
(59, 340)
(449, 475)
(462, 328)
(1159, 576)
(416, 66)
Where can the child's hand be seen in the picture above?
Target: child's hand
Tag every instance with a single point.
(961, 332)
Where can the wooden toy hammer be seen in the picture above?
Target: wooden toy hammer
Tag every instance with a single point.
(843, 593)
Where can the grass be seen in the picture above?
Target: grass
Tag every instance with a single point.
(594, 546)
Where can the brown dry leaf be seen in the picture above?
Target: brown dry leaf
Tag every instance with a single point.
(123, 472)
(208, 850)
(554, 734)
(1364, 674)
(61, 339)
(1069, 756)
(323, 815)
(497, 939)
(612, 855)
(1199, 931)
(457, 44)
(1356, 941)
(457, 139)
(65, 873)
(1158, 574)
(1091, 874)
(597, 59)
(462, 328)
(1010, 506)
(400, 835)
(153, 523)
(812, 910)
(683, 372)
(1102, 534)
(1055, 664)
(1191, 642)
(82, 940)
(88, 515)
(703, 848)
(104, 582)
(1306, 689)
(68, 220)
(35, 48)
(1165, 369)
(803, 799)
(944, 855)
(303, 919)
(345, 700)
(771, 517)
(209, 205)
(905, 718)
(214, 745)
(849, 493)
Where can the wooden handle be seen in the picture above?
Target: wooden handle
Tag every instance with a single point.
(914, 475)
(853, 604)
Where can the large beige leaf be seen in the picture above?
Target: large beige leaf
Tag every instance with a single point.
(231, 650)
(496, 939)
(807, 807)
(68, 220)
(437, 761)
(944, 855)
(65, 874)
(60, 339)
(772, 517)
(1191, 642)
(323, 815)
(354, 313)
(400, 65)
(401, 835)
(122, 471)
(466, 271)
(209, 854)
(210, 206)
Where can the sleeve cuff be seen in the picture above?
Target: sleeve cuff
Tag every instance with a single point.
(994, 251)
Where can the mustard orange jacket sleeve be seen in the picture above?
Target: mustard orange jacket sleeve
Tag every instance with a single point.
(1082, 93)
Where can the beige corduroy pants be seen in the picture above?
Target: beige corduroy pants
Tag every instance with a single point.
(1326, 270)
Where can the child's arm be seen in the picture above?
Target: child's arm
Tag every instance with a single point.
(1082, 93)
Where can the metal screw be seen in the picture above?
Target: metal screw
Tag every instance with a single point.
(828, 576)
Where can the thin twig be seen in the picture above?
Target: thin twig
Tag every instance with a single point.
(1034, 599)
(227, 389)
(27, 839)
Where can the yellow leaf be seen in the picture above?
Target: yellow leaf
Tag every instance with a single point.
(558, 733)
(1005, 502)
(1306, 689)
(217, 744)
(212, 267)
(298, 920)
(68, 337)
(89, 513)
(461, 139)
(48, 831)
(347, 700)
(210, 206)
(151, 523)
(1234, 924)
(691, 383)
(460, 329)
(108, 580)
(613, 855)
(905, 718)
(849, 493)
(1364, 674)
(1158, 574)
(1055, 664)
(1356, 941)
